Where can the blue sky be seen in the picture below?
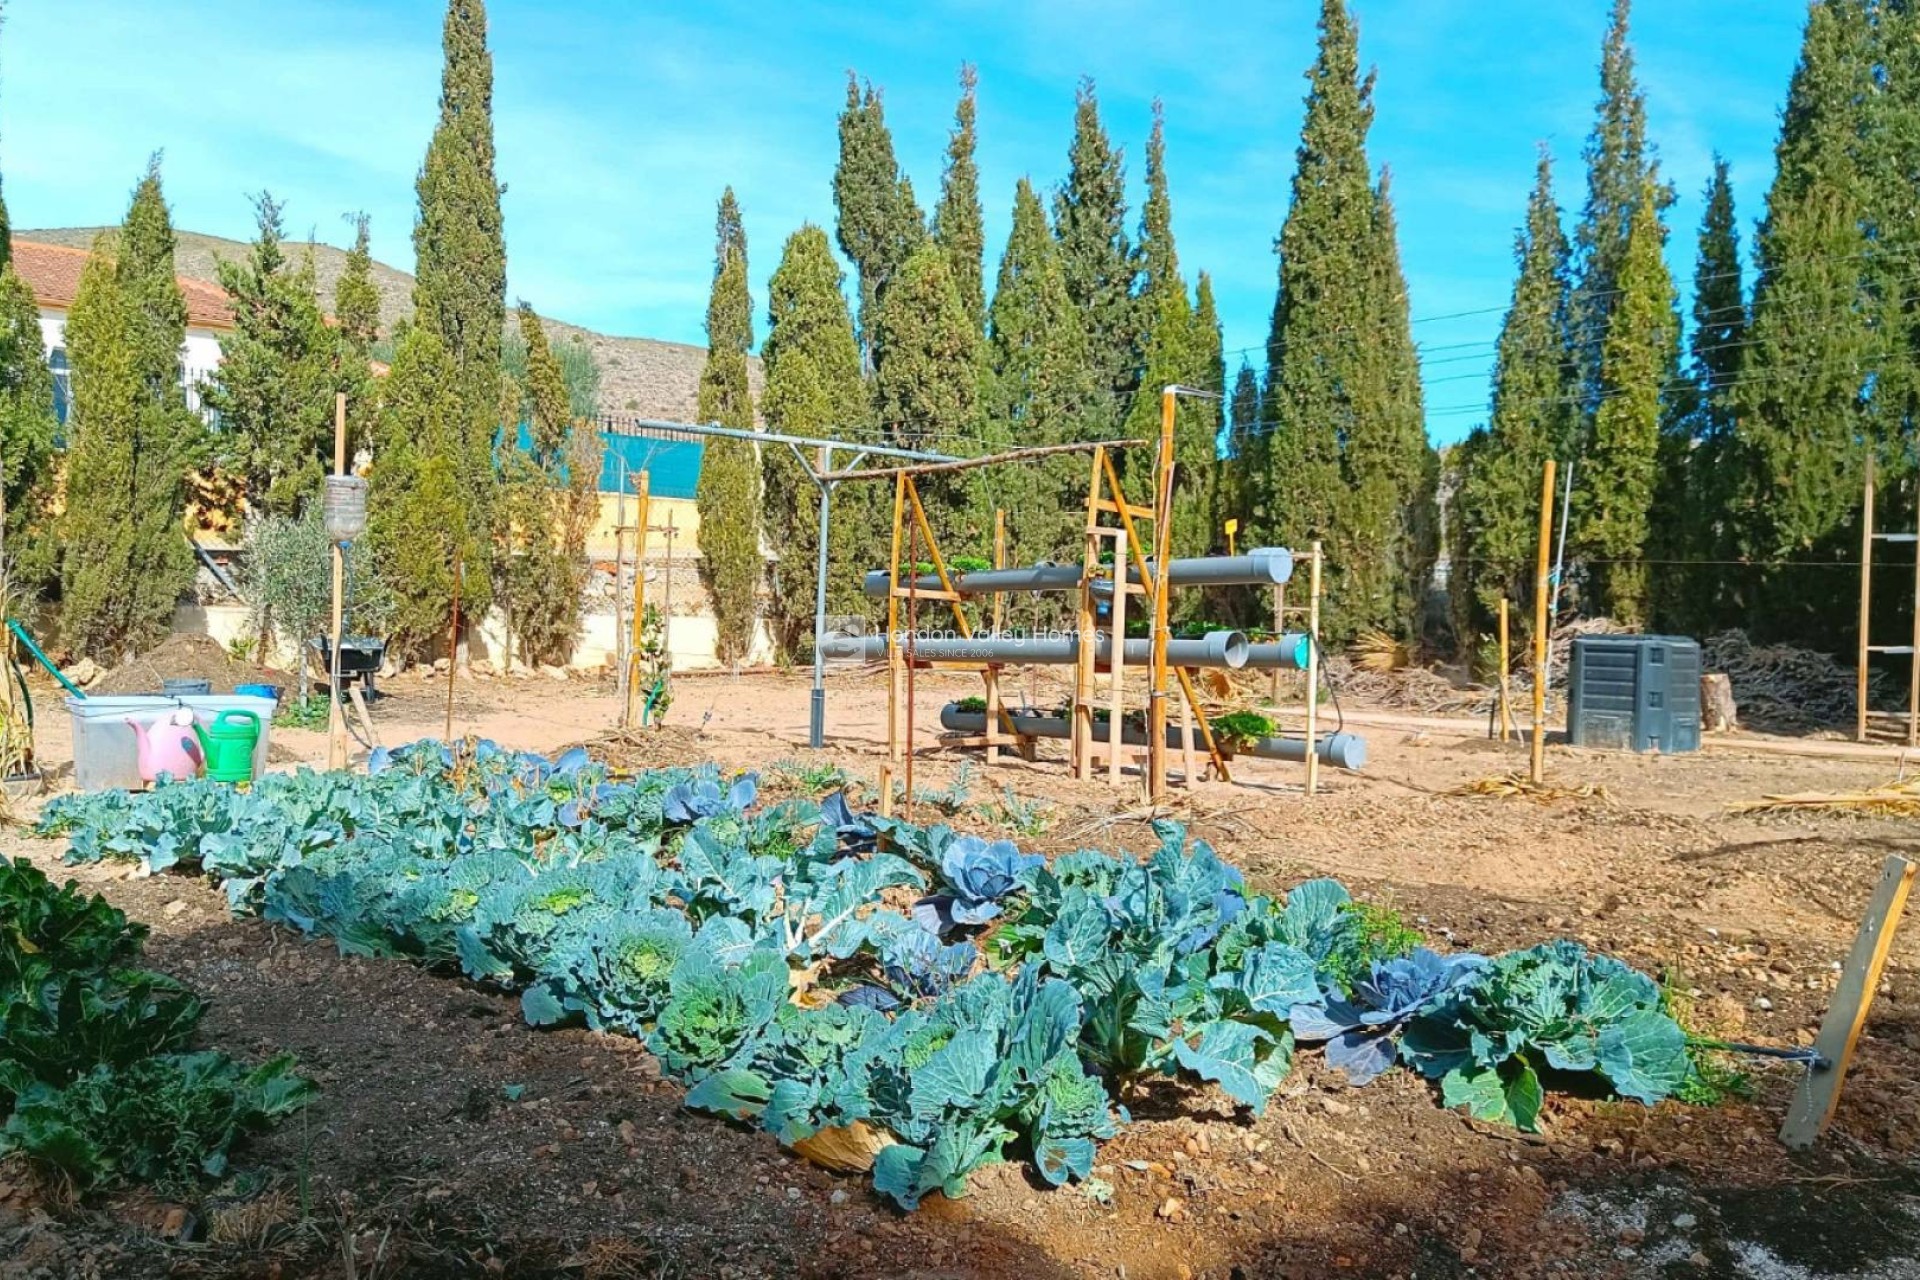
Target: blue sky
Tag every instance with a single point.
(619, 124)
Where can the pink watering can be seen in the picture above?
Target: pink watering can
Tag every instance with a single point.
(168, 746)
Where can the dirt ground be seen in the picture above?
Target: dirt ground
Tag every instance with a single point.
(451, 1140)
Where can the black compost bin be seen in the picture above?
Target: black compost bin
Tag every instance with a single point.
(1634, 693)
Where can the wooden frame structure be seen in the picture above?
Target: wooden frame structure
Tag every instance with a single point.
(1868, 536)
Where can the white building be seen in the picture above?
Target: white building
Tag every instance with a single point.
(53, 273)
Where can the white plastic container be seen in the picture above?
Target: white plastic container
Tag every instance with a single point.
(105, 756)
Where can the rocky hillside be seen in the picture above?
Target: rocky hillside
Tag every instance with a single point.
(637, 375)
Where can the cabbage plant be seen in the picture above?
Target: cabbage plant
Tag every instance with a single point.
(975, 877)
(1362, 1030)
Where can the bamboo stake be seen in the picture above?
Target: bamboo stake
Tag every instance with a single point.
(337, 714)
(637, 621)
(1313, 671)
(1506, 688)
(1163, 551)
(1866, 592)
(1279, 627)
(1537, 764)
(1117, 670)
(453, 628)
(1084, 633)
(893, 645)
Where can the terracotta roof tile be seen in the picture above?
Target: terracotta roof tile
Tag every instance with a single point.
(52, 271)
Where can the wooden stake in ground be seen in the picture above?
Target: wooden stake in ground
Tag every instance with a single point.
(637, 621)
(453, 628)
(1163, 552)
(337, 714)
(1866, 613)
(1817, 1097)
(1506, 687)
(1313, 671)
(1537, 768)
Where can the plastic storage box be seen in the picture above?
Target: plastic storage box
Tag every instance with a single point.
(1634, 693)
(104, 755)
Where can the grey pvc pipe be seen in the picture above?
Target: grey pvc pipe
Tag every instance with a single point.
(1215, 649)
(1036, 577)
(1340, 750)
(1263, 566)
(1289, 653)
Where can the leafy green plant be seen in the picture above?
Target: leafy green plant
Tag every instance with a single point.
(168, 1120)
(814, 777)
(310, 712)
(974, 706)
(1240, 730)
(1029, 818)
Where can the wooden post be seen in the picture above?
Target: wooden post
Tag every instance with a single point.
(1506, 690)
(1866, 593)
(1913, 676)
(1279, 628)
(1819, 1094)
(1188, 778)
(453, 627)
(1084, 627)
(1117, 662)
(1163, 552)
(999, 622)
(893, 642)
(637, 621)
(337, 714)
(1313, 671)
(1537, 762)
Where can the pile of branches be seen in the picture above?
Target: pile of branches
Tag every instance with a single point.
(1419, 690)
(1781, 686)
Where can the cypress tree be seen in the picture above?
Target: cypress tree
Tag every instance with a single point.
(1391, 525)
(1238, 463)
(813, 388)
(460, 285)
(132, 441)
(418, 520)
(1620, 166)
(356, 300)
(1637, 364)
(728, 495)
(274, 392)
(27, 429)
(1209, 374)
(1338, 463)
(1089, 220)
(1699, 470)
(878, 221)
(957, 220)
(1496, 504)
(1039, 389)
(927, 389)
(548, 500)
(1801, 402)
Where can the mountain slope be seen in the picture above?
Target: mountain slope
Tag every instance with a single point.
(637, 375)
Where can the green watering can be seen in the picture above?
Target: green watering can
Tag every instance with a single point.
(228, 745)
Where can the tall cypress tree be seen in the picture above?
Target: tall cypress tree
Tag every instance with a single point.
(1335, 464)
(274, 393)
(356, 311)
(957, 219)
(460, 284)
(1209, 374)
(728, 495)
(1636, 367)
(813, 388)
(1620, 166)
(1802, 400)
(928, 386)
(1390, 471)
(418, 519)
(27, 429)
(1239, 464)
(132, 440)
(356, 300)
(1090, 222)
(1699, 464)
(1040, 390)
(1496, 502)
(878, 221)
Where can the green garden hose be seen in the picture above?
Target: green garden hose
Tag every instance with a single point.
(20, 633)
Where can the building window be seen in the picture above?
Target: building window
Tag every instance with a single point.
(62, 384)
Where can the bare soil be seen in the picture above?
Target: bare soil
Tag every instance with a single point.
(451, 1140)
